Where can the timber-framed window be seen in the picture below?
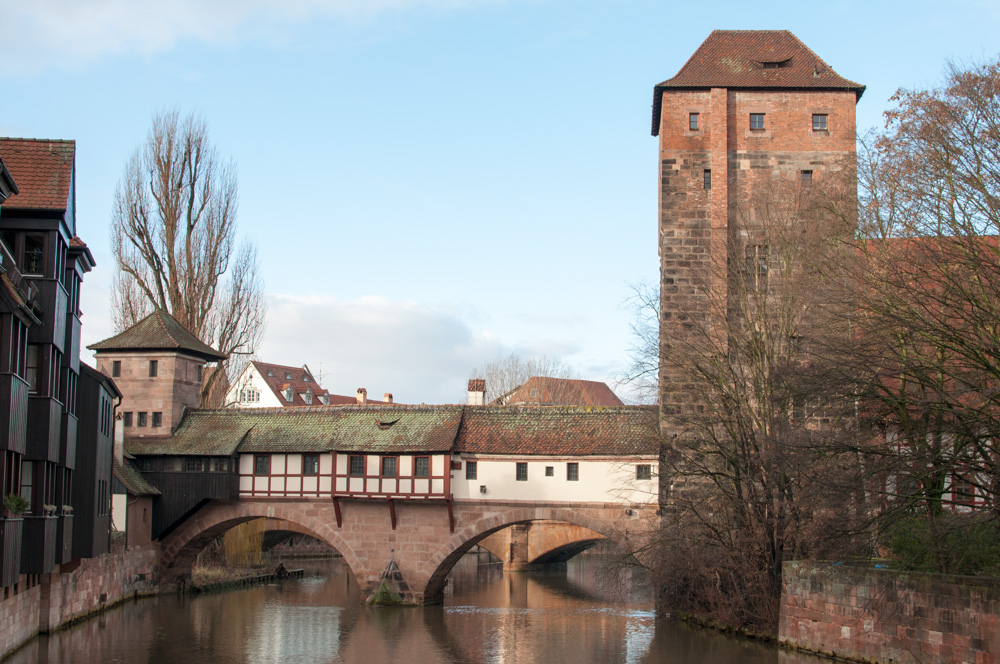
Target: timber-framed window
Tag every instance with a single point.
(390, 464)
(422, 466)
(262, 464)
(356, 466)
(310, 464)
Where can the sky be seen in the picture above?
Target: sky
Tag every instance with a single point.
(430, 183)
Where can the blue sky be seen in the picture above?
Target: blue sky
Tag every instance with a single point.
(429, 182)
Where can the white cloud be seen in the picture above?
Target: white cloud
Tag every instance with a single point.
(38, 33)
(419, 354)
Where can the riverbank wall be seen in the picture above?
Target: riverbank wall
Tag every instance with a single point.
(865, 614)
(43, 603)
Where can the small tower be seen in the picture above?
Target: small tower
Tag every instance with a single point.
(749, 106)
(157, 364)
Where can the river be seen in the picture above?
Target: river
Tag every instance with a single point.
(577, 616)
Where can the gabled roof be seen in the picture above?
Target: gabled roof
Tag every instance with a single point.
(545, 391)
(632, 430)
(44, 171)
(753, 59)
(279, 377)
(371, 429)
(133, 481)
(158, 331)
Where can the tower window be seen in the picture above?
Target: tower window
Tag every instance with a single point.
(807, 178)
(756, 267)
(708, 179)
(157, 419)
(116, 369)
(693, 121)
(154, 365)
(756, 120)
(819, 121)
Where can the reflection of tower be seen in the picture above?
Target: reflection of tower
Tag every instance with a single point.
(747, 107)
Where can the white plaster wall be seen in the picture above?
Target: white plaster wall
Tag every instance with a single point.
(119, 505)
(251, 379)
(601, 481)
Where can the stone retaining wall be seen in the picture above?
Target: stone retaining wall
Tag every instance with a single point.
(76, 590)
(880, 615)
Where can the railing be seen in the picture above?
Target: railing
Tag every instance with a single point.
(13, 404)
(10, 563)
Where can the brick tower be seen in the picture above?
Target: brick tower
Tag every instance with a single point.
(749, 106)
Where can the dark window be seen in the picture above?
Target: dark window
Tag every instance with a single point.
(550, 471)
(422, 467)
(116, 369)
(819, 121)
(756, 120)
(693, 121)
(147, 464)
(219, 465)
(194, 465)
(157, 419)
(262, 464)
(127, 419)
(153, 366)
(310, 464)
(522, 471)
(471, 470)
(644, 472)
(357, 466)
(807, 178)
(34, 253)
(31, 373)
(756, 267)
(388, 466)
(142, 419)
(708, 179)
(572, 471)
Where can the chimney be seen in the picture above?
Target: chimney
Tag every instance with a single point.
(362, 395)
(387, 397)
(477, 391)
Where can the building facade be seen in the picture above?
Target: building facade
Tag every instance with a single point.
(749, 109)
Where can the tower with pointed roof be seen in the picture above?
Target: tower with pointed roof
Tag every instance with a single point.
(748, 107)
(157, 363)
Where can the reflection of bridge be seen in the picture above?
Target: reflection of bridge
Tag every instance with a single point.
(418, 485)
(422, 543)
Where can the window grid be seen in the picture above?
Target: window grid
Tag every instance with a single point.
(707, 179)
(357, 466)
(644, 472)
(572, 471)
(471, 470)
(522, 471)
(819, 121)
(756, 120)
(693, 121)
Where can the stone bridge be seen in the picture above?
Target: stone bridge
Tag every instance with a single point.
(425, 538)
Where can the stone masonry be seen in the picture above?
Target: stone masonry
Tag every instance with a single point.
(878, 615)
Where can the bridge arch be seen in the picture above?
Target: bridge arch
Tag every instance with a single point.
(181, 546)
(440, 563)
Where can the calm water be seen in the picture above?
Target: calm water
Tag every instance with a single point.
(576, 616)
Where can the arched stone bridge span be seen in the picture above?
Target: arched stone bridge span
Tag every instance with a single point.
(426, 539)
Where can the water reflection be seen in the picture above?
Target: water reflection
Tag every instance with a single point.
(579, 615)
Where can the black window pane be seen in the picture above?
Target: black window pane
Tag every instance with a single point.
(357, 465)
(522, 472)
(422, 467)
(388, 466)
(310, 464)
(471, 470)
(262, 465)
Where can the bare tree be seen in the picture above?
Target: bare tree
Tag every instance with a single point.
(505, 373)
(642, 372)
(174, 240)
(748, 466)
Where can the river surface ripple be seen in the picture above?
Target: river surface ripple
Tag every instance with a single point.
(582, 615)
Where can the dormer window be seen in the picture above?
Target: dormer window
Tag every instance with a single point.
(288, 376)
(305, 378)
(776, 64)
(307, 396)
(270, 374)
(289, 394)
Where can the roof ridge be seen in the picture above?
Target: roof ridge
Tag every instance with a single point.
(37, 140)
(163, 325)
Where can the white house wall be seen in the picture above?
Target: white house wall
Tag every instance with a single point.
(251, 379)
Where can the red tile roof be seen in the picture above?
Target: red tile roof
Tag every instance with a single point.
(43, 170)
(545, 391)
(158, 331)
(736, 59)
(630, 430)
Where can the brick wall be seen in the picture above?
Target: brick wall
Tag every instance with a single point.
(878, 615)
(76, 590)
(18, 616)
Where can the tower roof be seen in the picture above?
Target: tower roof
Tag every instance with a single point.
(44, 172)
(158, 331)
(753, 59)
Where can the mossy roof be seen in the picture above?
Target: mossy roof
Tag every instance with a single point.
(159, 331)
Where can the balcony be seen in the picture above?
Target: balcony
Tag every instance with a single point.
(10, 555)
(54, 300)
(64, 539)
(44, 429)
(38, 544)
(13, 413)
